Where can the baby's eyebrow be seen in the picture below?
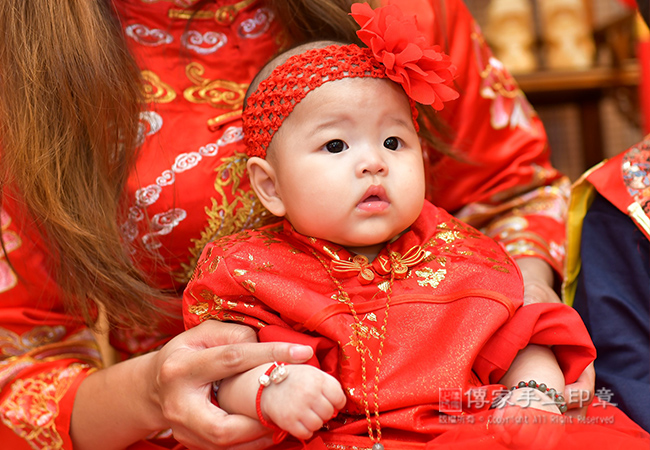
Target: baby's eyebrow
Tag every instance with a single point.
(329, 123)
(400, 121)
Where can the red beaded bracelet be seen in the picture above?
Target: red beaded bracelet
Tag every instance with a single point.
(558, 399)
(276, 373)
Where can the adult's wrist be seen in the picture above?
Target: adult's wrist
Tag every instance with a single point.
(536, 270)
(116, 398)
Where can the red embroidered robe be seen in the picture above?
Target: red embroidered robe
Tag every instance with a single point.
(455, 321)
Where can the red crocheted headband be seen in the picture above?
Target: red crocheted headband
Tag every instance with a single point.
(397, 51)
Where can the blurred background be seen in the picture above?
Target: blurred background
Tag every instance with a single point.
(580, 63)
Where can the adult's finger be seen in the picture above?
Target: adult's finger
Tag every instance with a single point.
(212, 333)
(579, 395)
(535, 292)
(221, 362)
(213, 429)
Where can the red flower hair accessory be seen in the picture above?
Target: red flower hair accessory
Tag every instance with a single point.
(424, 71)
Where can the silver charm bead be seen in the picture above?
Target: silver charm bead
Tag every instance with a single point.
(265, 380)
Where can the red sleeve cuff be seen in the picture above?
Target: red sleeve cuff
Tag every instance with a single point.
(555, 325)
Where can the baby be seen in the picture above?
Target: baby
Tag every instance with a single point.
(402, 303)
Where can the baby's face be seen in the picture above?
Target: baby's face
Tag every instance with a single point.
(349, 164)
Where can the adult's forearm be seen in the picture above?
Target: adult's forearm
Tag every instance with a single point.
(111, 408)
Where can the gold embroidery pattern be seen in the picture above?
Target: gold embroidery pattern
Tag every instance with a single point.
(249, 286)
(448, 236)
(223, 94)
(224, 15)
(176, 2)
(227, 217)
(509, 105)
(454, 236)
(212, 306)
(345, 447)
(199, 309)
(429, 277)
(156, 90)
(13, 344)
(33, 405)
(513, 232)
(43, 344)
(214, 122)
(528, 244)
(384, 286)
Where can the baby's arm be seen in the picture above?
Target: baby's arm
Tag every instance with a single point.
(538, 363)
(300, 404)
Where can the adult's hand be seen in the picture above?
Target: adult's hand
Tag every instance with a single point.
(182, 376)
(538, 281)
(171, 388)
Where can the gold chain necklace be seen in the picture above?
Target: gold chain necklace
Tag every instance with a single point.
(373, 422)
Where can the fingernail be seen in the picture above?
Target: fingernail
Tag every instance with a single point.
(301, 352)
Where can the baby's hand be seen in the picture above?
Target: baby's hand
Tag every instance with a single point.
(304, 401)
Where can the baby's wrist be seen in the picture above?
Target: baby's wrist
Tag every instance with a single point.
(275, 373)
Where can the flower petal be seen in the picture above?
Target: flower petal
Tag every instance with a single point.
(425, 72)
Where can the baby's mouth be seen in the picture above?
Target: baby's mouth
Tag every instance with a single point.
(374, 200)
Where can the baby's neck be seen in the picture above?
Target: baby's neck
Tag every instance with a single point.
(371, 251)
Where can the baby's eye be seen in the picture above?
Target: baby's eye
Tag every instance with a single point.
(336, 146)
(392, 143)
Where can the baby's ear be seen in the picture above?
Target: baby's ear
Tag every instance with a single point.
(262, 176)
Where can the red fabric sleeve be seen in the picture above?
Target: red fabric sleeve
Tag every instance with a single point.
(506, 184)
(550, 324)
(235, 304)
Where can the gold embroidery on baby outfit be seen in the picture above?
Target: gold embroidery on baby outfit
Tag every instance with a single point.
(429, 277)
